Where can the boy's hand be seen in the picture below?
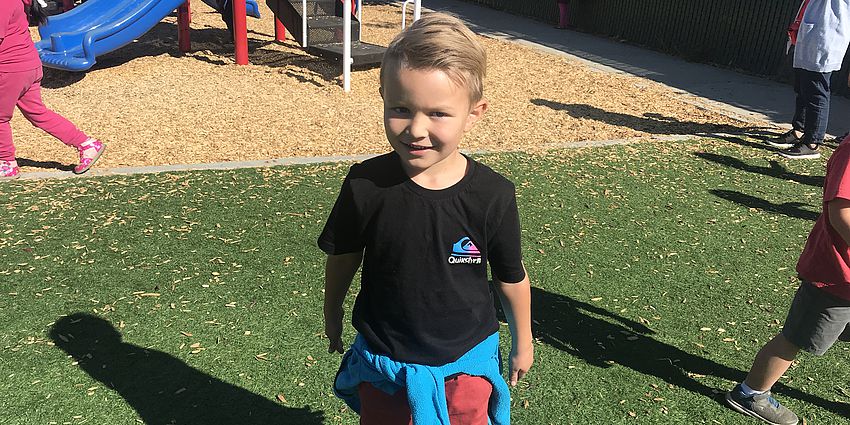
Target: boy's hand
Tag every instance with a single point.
(333, 330)
(521, 360)
(335, 345)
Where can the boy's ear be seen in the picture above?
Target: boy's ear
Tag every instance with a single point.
(476, 113)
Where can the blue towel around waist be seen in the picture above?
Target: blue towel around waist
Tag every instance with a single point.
(425, 385)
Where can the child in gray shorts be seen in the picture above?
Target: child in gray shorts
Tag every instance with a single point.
(820, 313)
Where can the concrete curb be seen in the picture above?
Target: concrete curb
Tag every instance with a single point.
(190, 167)
(267, 163)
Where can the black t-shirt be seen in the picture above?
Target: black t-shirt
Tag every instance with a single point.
(424, 295)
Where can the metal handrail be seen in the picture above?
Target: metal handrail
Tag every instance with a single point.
(346, 45)
(417, 11)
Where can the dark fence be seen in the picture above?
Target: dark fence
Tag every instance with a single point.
(747, 35)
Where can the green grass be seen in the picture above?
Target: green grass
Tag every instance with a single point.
(659, 270)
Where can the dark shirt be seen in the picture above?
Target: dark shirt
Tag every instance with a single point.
(425, 295)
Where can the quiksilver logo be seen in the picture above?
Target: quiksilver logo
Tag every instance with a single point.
(464, 251)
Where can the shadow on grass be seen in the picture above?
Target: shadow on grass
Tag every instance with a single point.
(603, 339)
(790, 209)
(774, 170)
(161, 388)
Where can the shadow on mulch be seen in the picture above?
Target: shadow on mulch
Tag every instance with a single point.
(603, 339)
(161, 388)
(209, 45)
(775, 169)
(790, 209)
(659, 124)
(49, 165)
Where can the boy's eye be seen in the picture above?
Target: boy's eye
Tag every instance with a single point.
(399, 110)
(439, 114)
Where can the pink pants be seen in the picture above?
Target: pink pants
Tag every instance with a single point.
(24, 89)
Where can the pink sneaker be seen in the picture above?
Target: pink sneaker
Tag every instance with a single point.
(86, 162)
(9, 169)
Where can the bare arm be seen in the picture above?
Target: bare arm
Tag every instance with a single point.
(516, 302)
(839, 217)
(339, 271)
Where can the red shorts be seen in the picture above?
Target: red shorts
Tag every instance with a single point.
(467, 396)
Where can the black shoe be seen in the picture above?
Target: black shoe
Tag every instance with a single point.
(785, 141)
(837, 141)
(800, 151)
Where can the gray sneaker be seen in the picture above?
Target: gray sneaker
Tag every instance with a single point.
(761, 406)
(800, 151)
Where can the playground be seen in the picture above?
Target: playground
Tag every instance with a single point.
(156, 106)
(659, 265)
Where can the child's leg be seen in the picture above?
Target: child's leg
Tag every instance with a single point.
(563, 9)
(467, 396)
(771, 362)
(380, 408)
(798, 123)
(815, 321)
(35, 112)
(10, 90)
(815, 91)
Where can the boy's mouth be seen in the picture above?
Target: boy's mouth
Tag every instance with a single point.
(415, 147)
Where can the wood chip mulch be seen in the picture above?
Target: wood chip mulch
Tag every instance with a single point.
(155, 106)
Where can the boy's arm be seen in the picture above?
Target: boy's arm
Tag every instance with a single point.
(839, 217)
(339, 271)
(516, 303)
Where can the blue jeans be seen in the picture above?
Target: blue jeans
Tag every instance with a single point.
(812, 108)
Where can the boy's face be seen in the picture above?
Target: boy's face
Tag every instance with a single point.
(426, 115)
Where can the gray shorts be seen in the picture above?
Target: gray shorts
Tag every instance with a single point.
(816, 320)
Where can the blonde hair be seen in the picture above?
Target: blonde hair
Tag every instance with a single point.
(440, 42)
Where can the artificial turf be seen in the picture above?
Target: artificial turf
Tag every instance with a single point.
(658, 269)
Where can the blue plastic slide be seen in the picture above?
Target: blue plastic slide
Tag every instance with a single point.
(73, 40)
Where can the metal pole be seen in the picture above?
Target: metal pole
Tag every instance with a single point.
(240, 32)
(346, 45)
(417, 10)
(304, 24)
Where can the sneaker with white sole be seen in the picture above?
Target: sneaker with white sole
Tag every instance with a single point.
(760, 406)
(9, 169)
(89, 151)
(785, 141)
(800, 151)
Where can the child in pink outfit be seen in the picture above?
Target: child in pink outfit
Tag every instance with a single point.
(563, 14)
(20, 84)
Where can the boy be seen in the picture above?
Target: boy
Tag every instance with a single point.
(820, 312)
(425, 220)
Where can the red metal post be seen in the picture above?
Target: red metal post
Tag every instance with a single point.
(184, 16)
(279, 30)
(240, 32)
(67, 5)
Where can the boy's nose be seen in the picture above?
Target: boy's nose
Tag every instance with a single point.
(418, 126)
